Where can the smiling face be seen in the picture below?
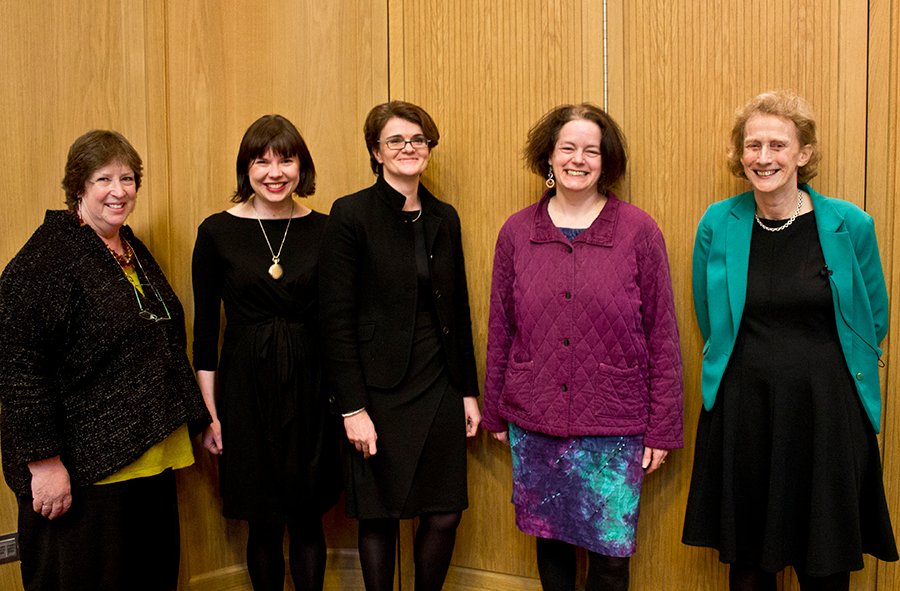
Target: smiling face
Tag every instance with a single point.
(407, 163)
(576, 159)
(108, 198)
(274, 177)
(772, 154)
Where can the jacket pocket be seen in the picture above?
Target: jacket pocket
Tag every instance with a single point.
(518, 385)
(619, 392)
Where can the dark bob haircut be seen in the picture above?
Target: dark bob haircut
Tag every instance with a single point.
(786, 104)
(543, 136)
(273, 132)
(381, 114)
(94, 150)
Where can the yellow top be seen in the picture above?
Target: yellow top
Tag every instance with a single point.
(172, 452)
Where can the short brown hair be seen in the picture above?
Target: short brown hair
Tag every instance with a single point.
(542, 138)
(93, 150)
(781, 103)
(381, 114)
(276, 133)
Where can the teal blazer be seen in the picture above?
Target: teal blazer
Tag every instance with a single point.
(847, 235)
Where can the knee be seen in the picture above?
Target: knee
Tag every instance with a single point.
(609, 566)
(446, 522)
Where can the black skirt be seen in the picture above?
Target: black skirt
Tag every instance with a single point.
(787, 468)
(281, 443)
(420, 466)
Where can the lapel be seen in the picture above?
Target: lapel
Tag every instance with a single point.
(737, 255)
(430, 216)
(836, 248)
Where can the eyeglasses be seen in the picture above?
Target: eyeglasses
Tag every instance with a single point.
(140, 294)
(145, 313)
(398, 143)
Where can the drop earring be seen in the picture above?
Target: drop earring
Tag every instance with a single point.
(550, 182)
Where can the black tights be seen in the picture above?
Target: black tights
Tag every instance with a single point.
(557, 568)
(751, 578)
(435, 537)
(306, 552)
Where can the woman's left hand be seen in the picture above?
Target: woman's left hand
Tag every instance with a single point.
(653, 459)
(473, 415)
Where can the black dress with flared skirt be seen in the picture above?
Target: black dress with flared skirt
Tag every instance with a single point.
(787, 469)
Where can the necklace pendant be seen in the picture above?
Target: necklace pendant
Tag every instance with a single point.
(276, 271)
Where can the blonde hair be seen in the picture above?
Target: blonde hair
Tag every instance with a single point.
(781, 103)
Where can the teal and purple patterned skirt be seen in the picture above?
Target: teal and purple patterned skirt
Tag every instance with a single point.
(580, 490)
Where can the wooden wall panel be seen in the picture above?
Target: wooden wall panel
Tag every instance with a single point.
(882, 185)
(321, 65)
(680, 70)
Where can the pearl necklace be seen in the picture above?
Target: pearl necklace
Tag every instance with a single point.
(789, 221)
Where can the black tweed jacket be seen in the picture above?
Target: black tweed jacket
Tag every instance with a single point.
(82, 375)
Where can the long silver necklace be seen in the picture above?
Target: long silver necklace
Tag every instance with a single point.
(789, 221)
(275, 270)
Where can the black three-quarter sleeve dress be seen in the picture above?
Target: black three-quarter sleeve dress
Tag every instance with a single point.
(280, 456)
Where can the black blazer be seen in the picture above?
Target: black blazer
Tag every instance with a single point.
(368, 291)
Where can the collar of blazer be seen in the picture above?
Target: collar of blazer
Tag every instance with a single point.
(833, 237)
(431, 210)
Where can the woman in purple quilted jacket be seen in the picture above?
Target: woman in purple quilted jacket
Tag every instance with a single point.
(583, 361)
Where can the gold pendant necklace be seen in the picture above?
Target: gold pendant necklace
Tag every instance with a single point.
(276, 271)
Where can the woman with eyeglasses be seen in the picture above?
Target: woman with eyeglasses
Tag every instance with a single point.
(96, 389)
(272, 431)
(397, 341)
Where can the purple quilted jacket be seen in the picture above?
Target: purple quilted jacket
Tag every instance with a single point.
(582, 337)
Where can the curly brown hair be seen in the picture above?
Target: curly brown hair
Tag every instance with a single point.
(544, 134)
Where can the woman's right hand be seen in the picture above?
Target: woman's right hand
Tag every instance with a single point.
(361, 433)
(502, 437)
(212, 438)
(51, 490)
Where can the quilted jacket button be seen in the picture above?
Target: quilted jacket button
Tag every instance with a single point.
(860, 376)
(566, 342)
(446, 330)
(437, 294)
(569, 249)
(565, 388)
(568, 295)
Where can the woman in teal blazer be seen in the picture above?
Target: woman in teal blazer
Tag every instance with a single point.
(791, 301)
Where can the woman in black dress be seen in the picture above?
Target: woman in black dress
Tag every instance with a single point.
(260, 259)
(791, 300)
(397, 338)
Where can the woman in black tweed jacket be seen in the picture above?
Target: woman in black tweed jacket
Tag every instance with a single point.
(96, 389)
